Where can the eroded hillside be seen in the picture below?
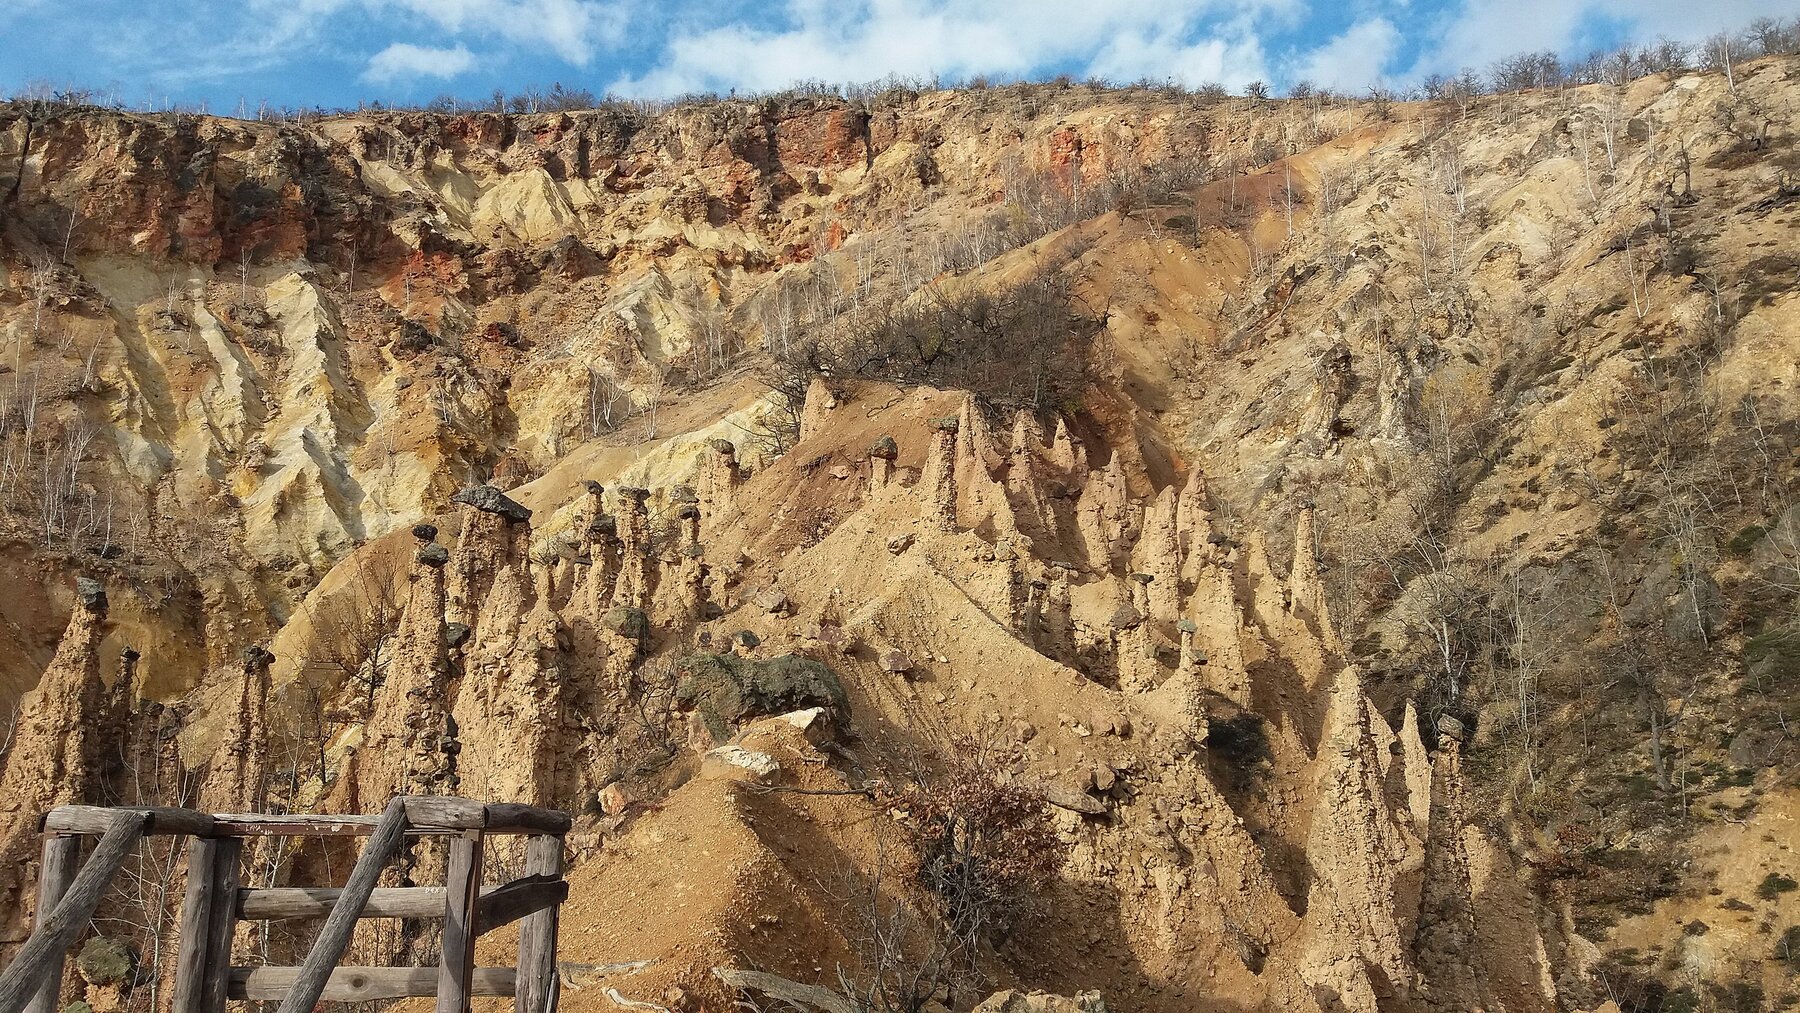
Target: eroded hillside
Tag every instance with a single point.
(1372, 529)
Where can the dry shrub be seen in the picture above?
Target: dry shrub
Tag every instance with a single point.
(983, 845)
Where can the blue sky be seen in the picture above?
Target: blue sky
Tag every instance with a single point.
(339, 52)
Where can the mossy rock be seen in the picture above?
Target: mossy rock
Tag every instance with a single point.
(728, 690)
(104, 961)
(628, 622)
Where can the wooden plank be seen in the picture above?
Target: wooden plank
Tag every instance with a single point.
(513, 818)
(462, 892)
(293, 825)
(315, 971)
(359, 984)
(316, 902)
(94, 819)
(57, 870)
(196, 918)
(537, 933)
(20, 982)
(445, 811)
(503, 905)
(222, 923)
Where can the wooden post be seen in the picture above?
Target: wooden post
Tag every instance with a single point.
(196, 919)
(20, 982)
(55, 873)
(537, 933)
(222, 923)
(334, 936)
(456, 965)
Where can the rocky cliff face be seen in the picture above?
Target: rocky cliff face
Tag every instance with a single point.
(1373, 535)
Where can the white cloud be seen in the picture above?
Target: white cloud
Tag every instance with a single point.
(862, 40)
(1132, 57)
(403, 60)
(1484, 31)
(1353, 60)
(572, 29)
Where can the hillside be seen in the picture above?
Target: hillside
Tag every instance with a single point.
(1374, 528)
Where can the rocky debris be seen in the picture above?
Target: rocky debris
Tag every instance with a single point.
(425, 532)
(727, 690)
(1016, 1001)
(434, 556)
(899, 543)
(488, 499)
(771, 599)
(456, 634)
(896, 661)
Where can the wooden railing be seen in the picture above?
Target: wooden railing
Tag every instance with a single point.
(216, 901)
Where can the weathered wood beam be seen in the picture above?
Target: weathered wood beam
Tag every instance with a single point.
(20, 982)
(359, 984)
(314, 972)
(55, 874)
(503, 905)
(537, 935)
(445, 811)
(456, 942)
(222, 923)
(513, 818)
(95, 819)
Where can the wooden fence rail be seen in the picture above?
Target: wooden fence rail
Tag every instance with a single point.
(215, 902)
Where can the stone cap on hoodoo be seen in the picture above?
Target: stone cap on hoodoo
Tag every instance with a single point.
(488, 499)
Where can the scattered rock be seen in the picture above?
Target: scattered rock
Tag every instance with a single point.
(488, 499)
(770, 599)
(745, 639)
(728, 690)
(1015, 1001)
(434, 556)
(456, 634)
(1073, 801)
(895, 661)
(104, 961)
(614, 798)
(627, 622)
(1450, 728)
(885, 448)
(840, 472)
(736, 761)
(91, 593)
(899, 543)
(425, 532)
